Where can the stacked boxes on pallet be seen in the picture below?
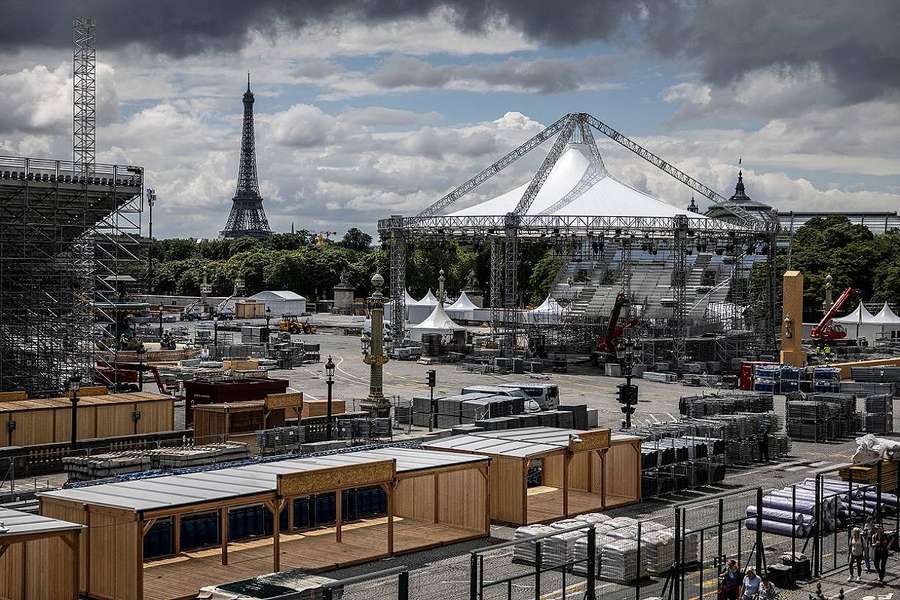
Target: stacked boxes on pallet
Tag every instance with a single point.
(879, 413)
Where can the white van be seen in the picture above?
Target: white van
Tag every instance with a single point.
(545, 394)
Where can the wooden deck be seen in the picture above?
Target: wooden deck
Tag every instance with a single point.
(182, 576)
(546, 503)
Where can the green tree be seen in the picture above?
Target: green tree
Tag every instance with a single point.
(357, 240)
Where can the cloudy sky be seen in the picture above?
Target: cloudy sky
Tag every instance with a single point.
(366, 109)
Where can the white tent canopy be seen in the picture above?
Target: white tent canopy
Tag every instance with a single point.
(578, 184)
(463, 308)
(437, 322)
(860, 323)
(550, 312)
(886, 316)
(418, 310)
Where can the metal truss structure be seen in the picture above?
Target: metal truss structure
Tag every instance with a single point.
(506, 232)
(247, 216)
(70, 248)
(84, 81)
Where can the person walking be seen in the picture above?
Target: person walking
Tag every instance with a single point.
(880, 548)
(751, 584)
(856, 552)
(867, 542)
(731, 582)
(767, 589)
(762, 435)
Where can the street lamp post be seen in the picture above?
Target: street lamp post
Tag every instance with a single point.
(329, 381)
(74, 384)
(374, 355)
(215, 337)
(141, 352)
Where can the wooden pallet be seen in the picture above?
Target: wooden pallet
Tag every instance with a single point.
(869, 474)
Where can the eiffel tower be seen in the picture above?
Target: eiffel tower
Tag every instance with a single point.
(247, 216)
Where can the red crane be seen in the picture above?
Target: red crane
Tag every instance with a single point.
(826, 330)
(607, 343)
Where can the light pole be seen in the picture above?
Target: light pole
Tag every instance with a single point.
(74, 384)
(141, 352)
(329, 381)
(216, 337)
(374, 355)
(628, 394)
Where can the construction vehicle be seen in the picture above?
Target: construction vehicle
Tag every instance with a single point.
(606, 345)
(827, 330)
(292, 324)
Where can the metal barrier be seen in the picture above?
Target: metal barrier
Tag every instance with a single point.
(389, 584)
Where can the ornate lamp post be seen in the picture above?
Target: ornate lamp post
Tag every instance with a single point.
(329, 380)
(141, 353)
(374, 355)
(627, 394)
(74, 384)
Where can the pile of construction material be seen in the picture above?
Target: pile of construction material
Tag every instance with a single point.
(882, 374)
(725, 403)
(196, 456)
(820, 417)
(879, 413)
(364, 428)
(108, 464)
(113, 464)
(790, 511)
(280, 439)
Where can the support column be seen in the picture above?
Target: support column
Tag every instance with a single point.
(679, 285)
(510, 286)
(397, 278)
(338, 515)
(223, 529)
(389, 490)
(497, 248)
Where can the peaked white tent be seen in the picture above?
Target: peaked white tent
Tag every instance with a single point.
(888, 320)
(548, 313)
(860, 323)
(389, 306)
(437, 322)
(463, 309)
(418, 310)
(579, 184)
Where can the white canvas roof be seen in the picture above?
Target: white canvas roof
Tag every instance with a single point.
(548, 306)
(462, 303)
(428, 299)
(587, 190)
(886, 316)
(860, 315)
(277, 294)
(438, 321)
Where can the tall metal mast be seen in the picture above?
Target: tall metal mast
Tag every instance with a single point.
(84, 76)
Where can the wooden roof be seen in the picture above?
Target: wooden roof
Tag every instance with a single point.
(517, 443)
(64, 402)
(30, 525)
(253, 479)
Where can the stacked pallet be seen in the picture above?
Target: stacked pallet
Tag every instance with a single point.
(196, 456)
(109, 464)
(869, 474)
(725, 403)
(280, 439)
(525, 551)
(879, 413)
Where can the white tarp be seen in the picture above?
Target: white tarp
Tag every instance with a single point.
(437, 322)
(586, 189)
(549, 312)
(463, 309)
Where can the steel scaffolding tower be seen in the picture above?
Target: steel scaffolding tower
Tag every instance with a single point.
(84, 81)
(69, 247)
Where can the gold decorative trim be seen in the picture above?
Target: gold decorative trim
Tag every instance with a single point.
(596, 439)
(305, 483)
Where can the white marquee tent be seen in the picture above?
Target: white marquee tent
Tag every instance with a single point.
(860, 323)
(888, 320)
(548, 313)
(463, 309)
(418, 310)
(437, 322)
(578, 184)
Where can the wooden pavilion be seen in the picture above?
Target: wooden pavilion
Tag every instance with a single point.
(315, 513)
(576, 471)
(38, 557)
